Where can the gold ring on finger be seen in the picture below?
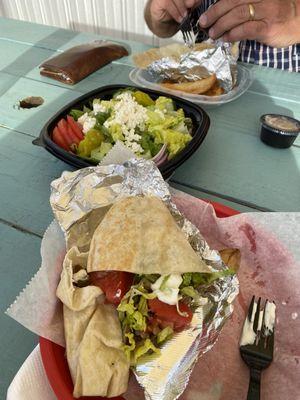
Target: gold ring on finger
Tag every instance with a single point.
(251, 11)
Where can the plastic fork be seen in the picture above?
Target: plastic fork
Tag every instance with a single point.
(186, 29)
(257, 343)
(190, 27)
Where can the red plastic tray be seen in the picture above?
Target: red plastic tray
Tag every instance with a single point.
(53, 355)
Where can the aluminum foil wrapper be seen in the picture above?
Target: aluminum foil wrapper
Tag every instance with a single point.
(80, 199)
(196, 65)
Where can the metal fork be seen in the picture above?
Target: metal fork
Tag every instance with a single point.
(257, 343)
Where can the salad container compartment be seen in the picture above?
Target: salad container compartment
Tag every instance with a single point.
(200, 122)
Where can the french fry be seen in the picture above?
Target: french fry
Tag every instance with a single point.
(232, 258)
(215, 90)
(196, 87)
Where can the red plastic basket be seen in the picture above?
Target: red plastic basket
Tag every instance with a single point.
(53, 355)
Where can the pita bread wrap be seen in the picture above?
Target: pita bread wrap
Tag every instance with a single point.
(139, 235)
(97, 363)
(174, 51)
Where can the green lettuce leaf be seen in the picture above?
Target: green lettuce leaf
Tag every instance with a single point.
(76, 113)
(116, 132)
(100, 152)
(164, 103)
(190, 292)
(175, 141)
(164, 335)
(129, 348)
(143, 348)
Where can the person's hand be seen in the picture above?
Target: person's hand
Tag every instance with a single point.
(272, 22)
(171, 10)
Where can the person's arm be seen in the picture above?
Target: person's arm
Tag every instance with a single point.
(273, 22)
(164, 16)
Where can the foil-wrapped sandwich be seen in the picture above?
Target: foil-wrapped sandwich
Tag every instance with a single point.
(208, 68)
(138, 286)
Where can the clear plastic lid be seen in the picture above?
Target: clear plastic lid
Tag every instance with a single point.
(244, 80)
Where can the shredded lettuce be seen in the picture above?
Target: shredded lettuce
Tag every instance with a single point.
(164, 283)
(76, 113)
(142, 334)
(128, 348)
(115, 131)
(186, 279)
(100, 152)
(164, 103)
(143, 348)
(101, 117)
(190, 292)
(195, 279)
(164, 335)
(143, 306)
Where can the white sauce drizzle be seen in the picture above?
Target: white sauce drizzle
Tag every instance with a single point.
(248, 335)
(267, 320)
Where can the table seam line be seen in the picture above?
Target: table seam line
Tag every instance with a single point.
(17, 131)
(19, 228)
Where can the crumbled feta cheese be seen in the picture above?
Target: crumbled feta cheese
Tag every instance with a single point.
(87, 122)
(82, 119)
(98, 106)
(129, 115)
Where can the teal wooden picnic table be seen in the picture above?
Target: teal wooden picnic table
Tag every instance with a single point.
(232, 166)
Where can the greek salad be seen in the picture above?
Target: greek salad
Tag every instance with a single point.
(145, 126)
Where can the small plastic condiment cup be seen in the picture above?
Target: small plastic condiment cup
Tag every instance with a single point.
(279, 130)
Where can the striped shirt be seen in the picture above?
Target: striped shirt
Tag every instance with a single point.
(286, 58)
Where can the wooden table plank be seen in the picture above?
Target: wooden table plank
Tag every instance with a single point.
(219, 198)
(26, 174)
(21, 58)
(244, 168)
(30, 121)
(54, 38)
(19, 260)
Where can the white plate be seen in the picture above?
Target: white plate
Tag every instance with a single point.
(245, 78)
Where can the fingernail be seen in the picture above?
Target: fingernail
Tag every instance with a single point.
(211, 32)
(203, 20)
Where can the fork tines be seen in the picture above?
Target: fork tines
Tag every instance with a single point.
(186, 28)
(258, 329)
(257, 342)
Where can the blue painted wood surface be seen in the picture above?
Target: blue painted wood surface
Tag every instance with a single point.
(232, 166)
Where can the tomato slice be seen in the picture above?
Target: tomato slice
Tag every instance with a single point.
(62, 126)
(167, 315)
(75, 127)
(113, 283)
(72, 136)
(58, 138)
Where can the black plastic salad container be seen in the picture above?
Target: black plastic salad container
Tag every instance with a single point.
(199, 117)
